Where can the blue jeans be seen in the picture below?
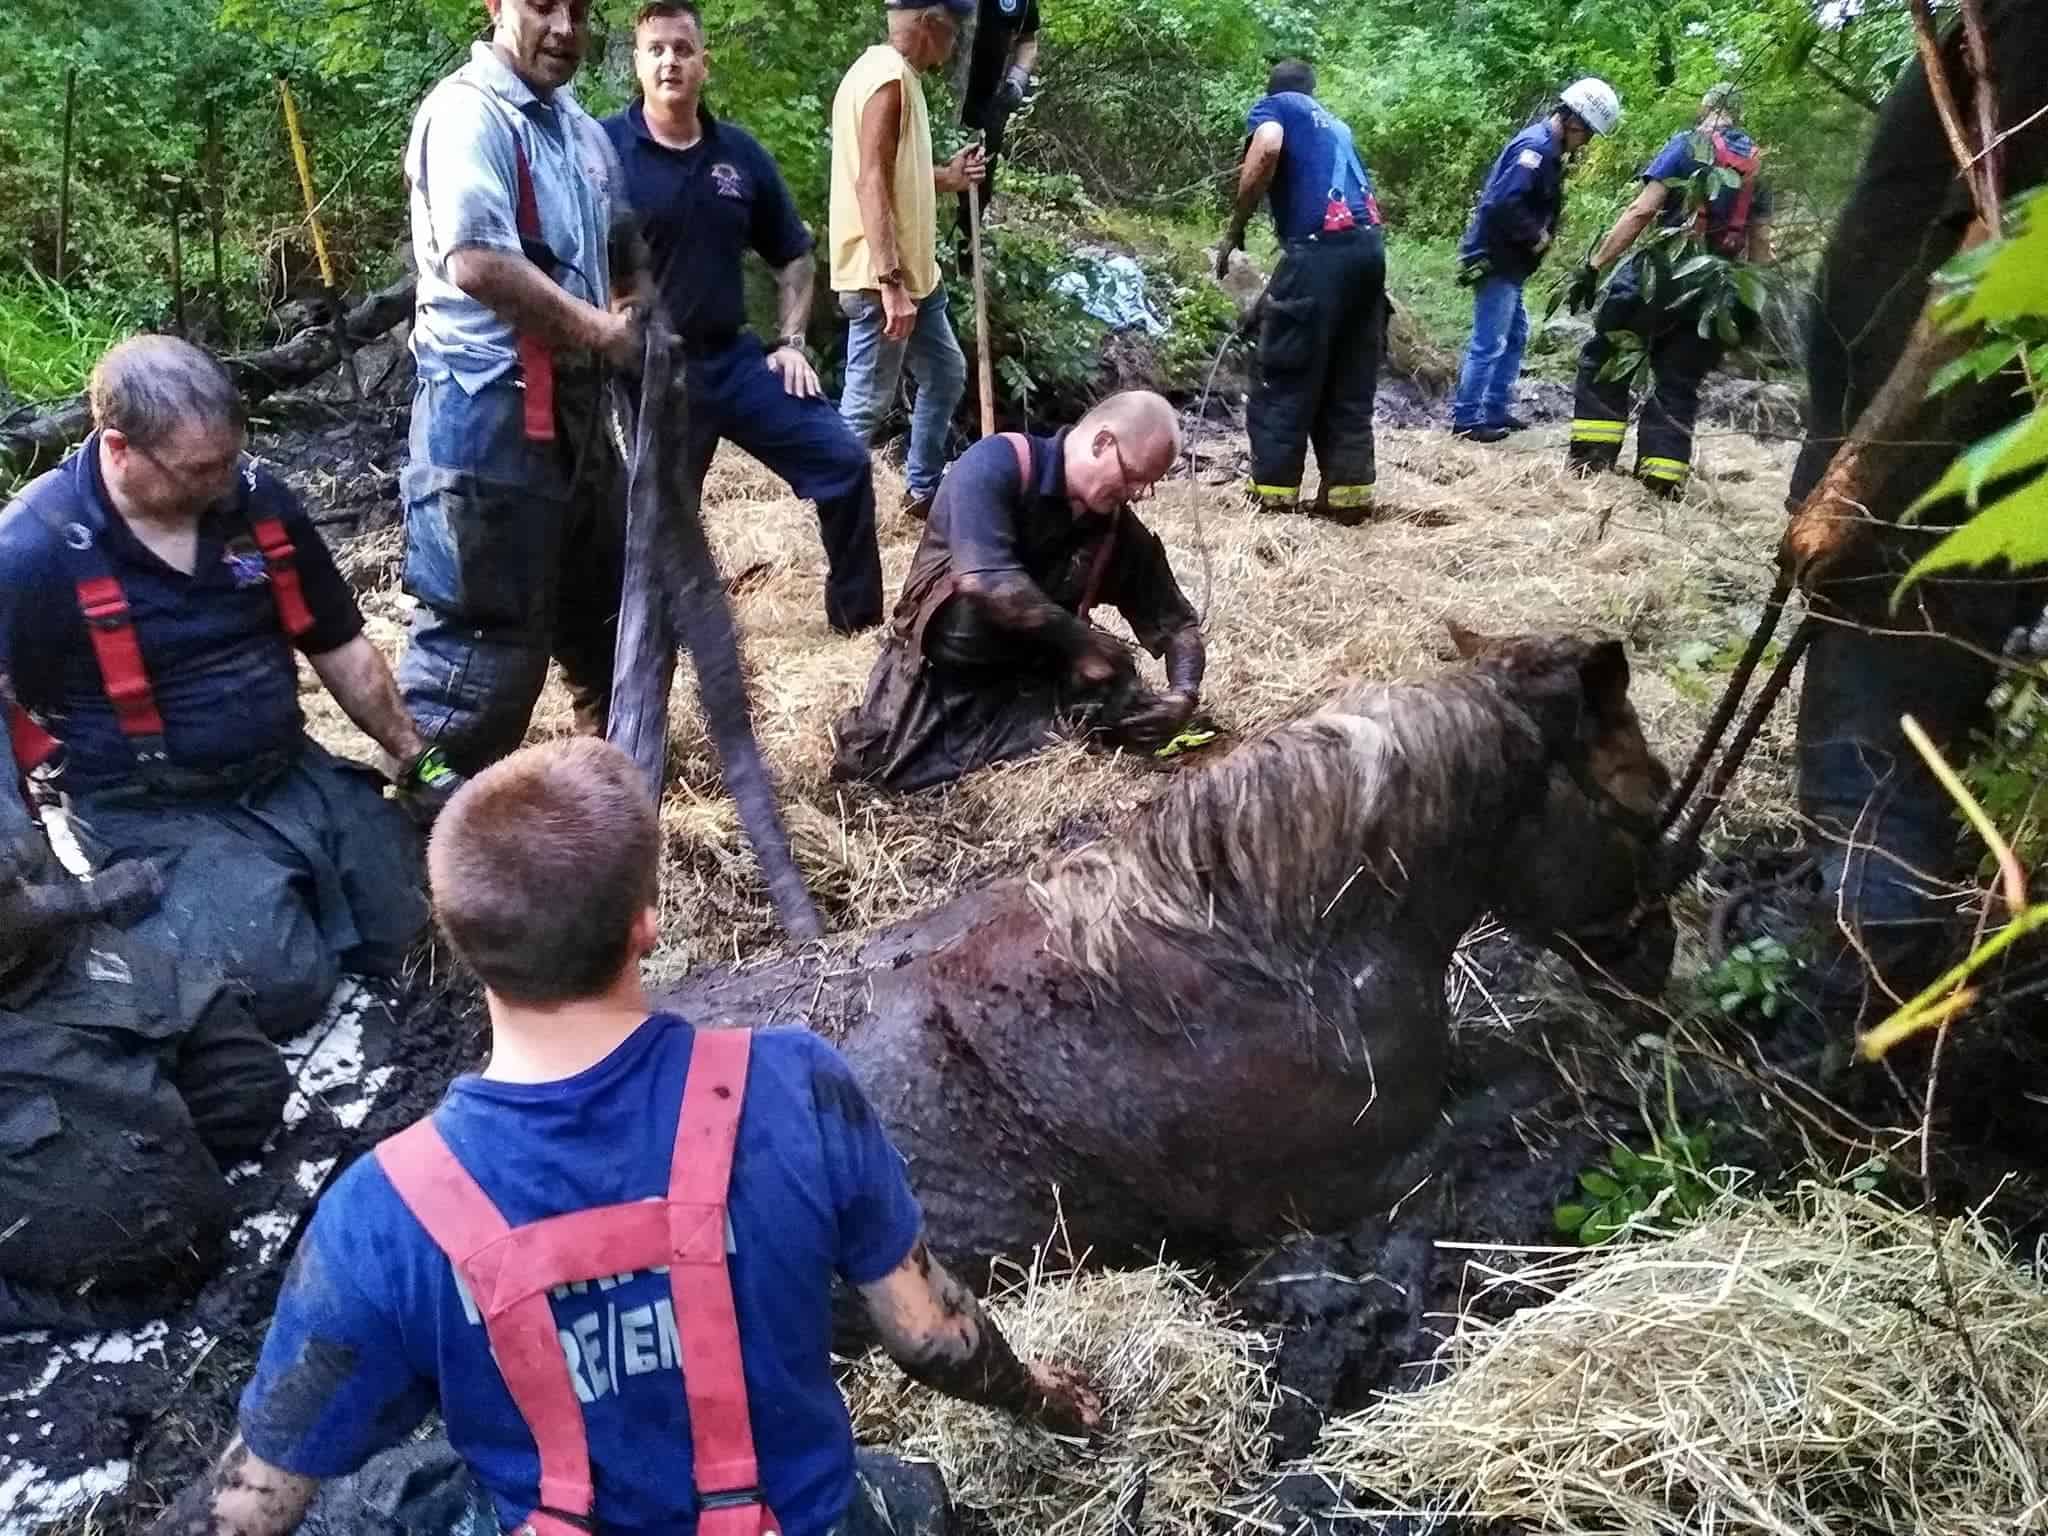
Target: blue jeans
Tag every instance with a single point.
(874, 365)
(1493, 359)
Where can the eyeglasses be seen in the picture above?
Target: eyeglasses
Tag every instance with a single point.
(1133, 489)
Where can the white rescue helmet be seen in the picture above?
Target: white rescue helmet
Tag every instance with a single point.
(1595, 102)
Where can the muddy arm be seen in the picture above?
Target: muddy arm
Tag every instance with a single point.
(244, 1496)
(933, 1327)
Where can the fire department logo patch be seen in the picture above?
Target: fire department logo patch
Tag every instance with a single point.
(245, 563)
(726, 177)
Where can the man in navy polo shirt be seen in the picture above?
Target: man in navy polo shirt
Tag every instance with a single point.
(1323, 318)
(153, 591)
(706, 193)
(575, 1113)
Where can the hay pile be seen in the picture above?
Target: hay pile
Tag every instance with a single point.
(1784, 1369)
(1496, 536)
(1188, 1395)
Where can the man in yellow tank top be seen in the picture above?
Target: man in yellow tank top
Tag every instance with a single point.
(884, 237)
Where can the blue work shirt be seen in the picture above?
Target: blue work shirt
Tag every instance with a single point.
(1684, 155)
(1521, 203)
(373, 1331)
(218, 660)
(701, 209)
(1317, 161)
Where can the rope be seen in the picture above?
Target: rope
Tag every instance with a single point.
(1731, 696)
(1194, 492)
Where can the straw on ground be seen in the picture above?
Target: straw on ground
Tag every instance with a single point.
(1792, 1369)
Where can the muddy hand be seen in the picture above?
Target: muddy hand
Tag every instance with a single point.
(1156, 719)
(34, 914)
(1070, 1403)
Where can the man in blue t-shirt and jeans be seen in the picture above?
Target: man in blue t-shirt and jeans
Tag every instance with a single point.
(575, 1119)
(1324, 315)
(706, 193)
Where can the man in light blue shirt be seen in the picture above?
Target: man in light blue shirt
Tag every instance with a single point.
(512, 538)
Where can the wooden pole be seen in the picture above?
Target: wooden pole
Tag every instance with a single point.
(64, 174)
(216, 200)
(983, 341)
(177, 262)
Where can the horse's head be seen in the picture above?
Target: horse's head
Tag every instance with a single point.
(1580, 876)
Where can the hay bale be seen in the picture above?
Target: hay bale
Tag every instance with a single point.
(1188, 1392)
(1829, 1364)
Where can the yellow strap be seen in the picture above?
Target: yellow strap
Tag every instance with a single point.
(1663, 469)
(1347, 495)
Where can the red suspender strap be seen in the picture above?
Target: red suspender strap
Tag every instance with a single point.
(1021, 446)
(536, 361)
(1744, 166)
(462, 1221)
(727, 1474)
(510, 1270)
(33, 746)
(112, 632)
(281, 561)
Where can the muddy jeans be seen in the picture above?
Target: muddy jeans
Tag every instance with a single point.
(513, 550)
(423, 1489)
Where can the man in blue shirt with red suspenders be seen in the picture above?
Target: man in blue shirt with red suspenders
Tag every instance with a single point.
(1323, 320)
(1733, 222)
(607, 1260)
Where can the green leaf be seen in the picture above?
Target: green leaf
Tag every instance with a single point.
(2014, 280)
(1569, 1218)
(2006, 452)
(1599, 1185)
(1731, 1001)
(2014, 529)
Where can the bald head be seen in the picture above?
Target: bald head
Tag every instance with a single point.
(147, 387)
(1121, 449)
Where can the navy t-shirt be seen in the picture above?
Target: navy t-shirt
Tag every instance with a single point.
(373, 1331)
(1684, 155)
(999, 25)
(702, 209)
(1317, 158)
(217, 657)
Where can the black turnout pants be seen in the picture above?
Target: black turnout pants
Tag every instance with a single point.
(1680, 360)
(1322, 329)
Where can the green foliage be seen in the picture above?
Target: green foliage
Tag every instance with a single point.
(50, 338)
(1047, 346)
(2008, 773)
(1999, 291)
(1670, 1178)
(1756, 974)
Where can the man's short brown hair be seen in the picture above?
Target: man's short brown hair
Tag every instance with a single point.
(662, 10)
(540, 866)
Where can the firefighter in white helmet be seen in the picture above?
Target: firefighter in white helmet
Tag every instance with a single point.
(1510, 231)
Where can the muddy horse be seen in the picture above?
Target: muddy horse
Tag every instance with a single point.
(1227, 1021)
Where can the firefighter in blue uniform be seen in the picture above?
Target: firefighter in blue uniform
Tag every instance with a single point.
(153, 590)
(1510, 233)
(997, 81)
(706, 192)
(1324, 314)
(1734, 222)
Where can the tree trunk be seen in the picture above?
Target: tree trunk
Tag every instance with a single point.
(34, 440)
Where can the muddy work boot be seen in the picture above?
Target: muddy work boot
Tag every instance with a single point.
(917, 508)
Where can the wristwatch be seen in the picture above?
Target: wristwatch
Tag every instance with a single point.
(893, 278)
(796, 344)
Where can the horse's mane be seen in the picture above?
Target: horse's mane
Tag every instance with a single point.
(1243, 862)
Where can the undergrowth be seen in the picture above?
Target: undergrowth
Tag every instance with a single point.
(50, 337)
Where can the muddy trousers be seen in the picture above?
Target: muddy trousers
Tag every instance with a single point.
(1321, 332)
(127, 1084)
(1680, 360)
(514, 550)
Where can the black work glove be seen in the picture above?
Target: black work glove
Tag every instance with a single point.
(1472, 273)
(1155, 719)
(1583, 290)
(426, 784)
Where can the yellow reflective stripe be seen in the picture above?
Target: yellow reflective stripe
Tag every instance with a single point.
(1587, 430)
(1663, 469)
(1347, 495)
(1284, 491)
